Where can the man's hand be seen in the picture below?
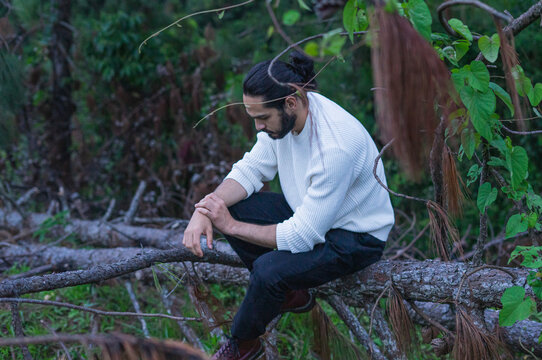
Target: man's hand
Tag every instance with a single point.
(215, 209)
(199, 225)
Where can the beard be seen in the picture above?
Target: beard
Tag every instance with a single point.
(287, 123)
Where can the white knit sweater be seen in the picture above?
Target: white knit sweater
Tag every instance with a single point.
(326, 175)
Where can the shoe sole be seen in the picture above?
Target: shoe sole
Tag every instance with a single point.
(302, 309)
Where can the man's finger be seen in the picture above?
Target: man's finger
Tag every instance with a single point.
(209, 235)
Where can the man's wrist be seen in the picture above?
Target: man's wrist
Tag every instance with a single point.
(233, 228)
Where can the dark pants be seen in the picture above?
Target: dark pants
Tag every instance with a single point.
(273, 273)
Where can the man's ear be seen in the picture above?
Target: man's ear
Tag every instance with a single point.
(290, 102)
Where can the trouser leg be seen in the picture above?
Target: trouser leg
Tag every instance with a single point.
(263, 208)
(276, 272)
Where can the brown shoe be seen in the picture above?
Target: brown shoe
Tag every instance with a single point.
(235, 349)
(298, 301)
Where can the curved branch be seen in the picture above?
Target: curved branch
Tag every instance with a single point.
(279, 28)
(377, 159)
(534, 132)
(478, 4)
(525, 19)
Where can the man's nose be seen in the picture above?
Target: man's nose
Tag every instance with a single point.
(259, 125)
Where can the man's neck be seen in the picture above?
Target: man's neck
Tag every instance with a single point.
(302, 113)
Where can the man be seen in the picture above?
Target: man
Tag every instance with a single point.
(332, 219)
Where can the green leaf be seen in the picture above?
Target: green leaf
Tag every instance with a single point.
(535, 94)
(478, 76)
(221, 14)
(350, 18)
(515, 307)
(486, 196)
(515, 225)
(523, 83)
(420, 16)
(534, 279)
(311, 48)
(495, 161)
(469, 142)
(290, 17)
(517, 162)
(473, 174)
(503, 95)
(489, 46)
(461, 48)
(460, 28)
(303, 5)
(532, 256)
(480, 105)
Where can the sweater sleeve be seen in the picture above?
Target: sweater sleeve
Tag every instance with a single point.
(256, 166)
(330, 178)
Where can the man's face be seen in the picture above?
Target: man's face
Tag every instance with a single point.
(276, 123)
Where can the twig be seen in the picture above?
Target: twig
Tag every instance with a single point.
(109, 211)
(405, 249)
(534, 132)
(377, 159)
(128, 286)
(186, 330)
(429, 320)
(189, 16)
(374, 307)
(478, 4)
(18, 328)
(355, 326)
(66, 351)
(129, 217)
(279, 28)
(482, 237)
(26, 196)
(94, 311)
(467, 275)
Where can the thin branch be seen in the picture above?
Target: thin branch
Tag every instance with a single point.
(525, 19)
(66, 351)
(129, 217)
(534, 132)
(377, 159)
(482, 237)
(409, 246)
(95, 311)
(133, 298)
(109, 211)
(478, 4)
(26, 196)
(483, 267)
(189, 16)
(18, 328)
(279, 28)
(186, 330)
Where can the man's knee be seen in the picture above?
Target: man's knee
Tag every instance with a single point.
(264, 274)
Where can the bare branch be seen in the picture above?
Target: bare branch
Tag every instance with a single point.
(129, 217)
(133, 298)
(18, 328)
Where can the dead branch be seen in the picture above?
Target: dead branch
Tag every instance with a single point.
(93, 311)
(17, 324)
(133, 298)
(186, 330)
(354, 325)
(130, 214)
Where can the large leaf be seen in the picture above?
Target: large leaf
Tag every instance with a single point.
(503, 95)
(460, 28)
(489, 46)
(535, 95)
(461, 48)
(486, 196)
(517, 162)
(350, 18)
(420, 16)
(469, 142)
(515, 307)
(523, 83)
(515, 225)
(480, 105)
(478, 76)
(534, 279)
(532, 256)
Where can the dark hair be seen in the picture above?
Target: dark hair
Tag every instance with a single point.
(299, 71)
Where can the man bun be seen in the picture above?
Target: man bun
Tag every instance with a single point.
(304, 66)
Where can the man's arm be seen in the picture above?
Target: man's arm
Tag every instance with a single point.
(216, 209)
(230, 192)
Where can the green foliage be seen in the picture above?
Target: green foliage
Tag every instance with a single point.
(462, 29)
(59, 219)
(290, 17)
(11, 86)
(420, 16)
(515, 306)
(354, 17)
(489, 46)
(486, 196)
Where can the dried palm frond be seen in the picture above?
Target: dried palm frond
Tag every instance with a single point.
(443, 232)
(329, 341)
(510, 61)
(412, 88)
(452, 189)
(473, 343)
(401, 323)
